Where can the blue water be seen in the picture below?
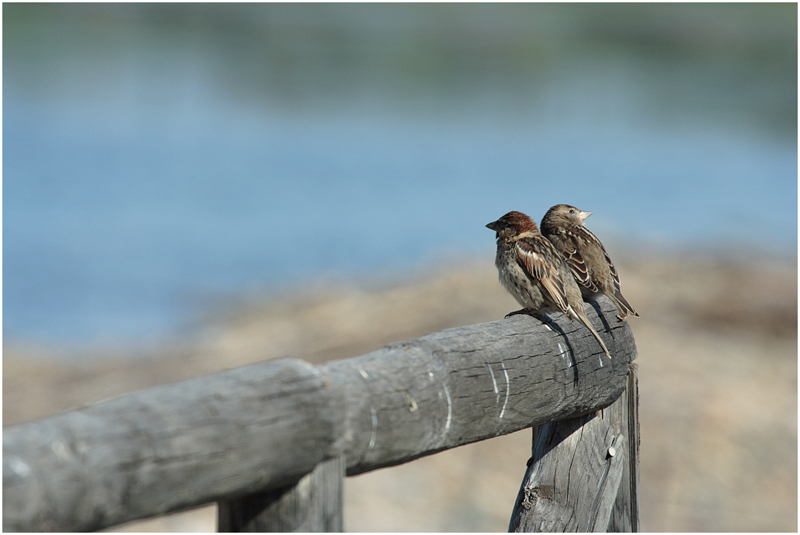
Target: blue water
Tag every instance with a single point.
(140, 182)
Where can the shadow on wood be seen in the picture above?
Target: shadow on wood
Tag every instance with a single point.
(314, 504)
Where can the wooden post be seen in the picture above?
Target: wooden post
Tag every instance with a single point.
(625, 516)
(584, 473)
(313, 504)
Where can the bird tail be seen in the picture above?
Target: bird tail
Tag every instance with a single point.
(623, 306)
(581, 316)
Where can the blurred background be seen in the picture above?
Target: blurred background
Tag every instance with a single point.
(192, 187)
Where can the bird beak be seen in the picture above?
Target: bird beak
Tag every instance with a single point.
(493, 226)
(583, 215)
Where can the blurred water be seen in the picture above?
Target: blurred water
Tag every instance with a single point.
(155, 155)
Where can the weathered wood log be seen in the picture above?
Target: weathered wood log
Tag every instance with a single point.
(264, 426)
(313, 505)
(461, 385)
(167, 448)
(583, 475)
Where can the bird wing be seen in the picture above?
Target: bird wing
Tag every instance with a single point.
(589, 236)
(540, 261)
(575, 260)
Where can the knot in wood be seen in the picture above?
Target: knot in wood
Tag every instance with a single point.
(533, 495)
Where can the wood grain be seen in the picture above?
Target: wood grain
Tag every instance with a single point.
(583, 475)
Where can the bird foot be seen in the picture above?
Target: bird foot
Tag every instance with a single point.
(527, 311)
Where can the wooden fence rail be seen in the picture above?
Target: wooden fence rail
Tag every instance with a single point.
(271, 441)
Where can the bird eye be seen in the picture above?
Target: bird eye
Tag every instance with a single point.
(571, 210)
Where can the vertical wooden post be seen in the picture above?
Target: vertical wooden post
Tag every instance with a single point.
(584, 472)
(625, 516)
(314, 504)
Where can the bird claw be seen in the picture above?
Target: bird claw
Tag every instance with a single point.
(528, 312)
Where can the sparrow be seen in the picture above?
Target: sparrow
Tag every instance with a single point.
(585, 255)
(534, 273)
